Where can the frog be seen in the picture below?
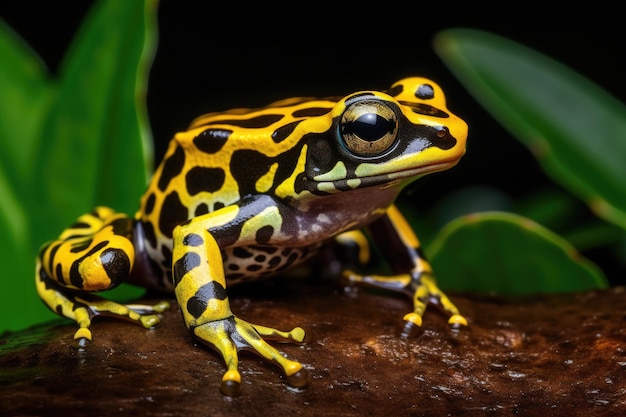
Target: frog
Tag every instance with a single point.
(251, 193)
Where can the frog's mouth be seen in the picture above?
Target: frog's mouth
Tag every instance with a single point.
(412, 173)
(371, 175)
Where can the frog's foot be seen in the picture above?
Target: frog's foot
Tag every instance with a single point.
(423, 291)
(230, 335)
(88, 307)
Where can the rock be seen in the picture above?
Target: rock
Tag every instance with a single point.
(551, 355)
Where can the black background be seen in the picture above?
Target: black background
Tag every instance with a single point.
(215, 56)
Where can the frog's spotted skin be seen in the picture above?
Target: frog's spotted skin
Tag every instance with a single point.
(249, 193)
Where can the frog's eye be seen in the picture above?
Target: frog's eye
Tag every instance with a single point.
(369, 128)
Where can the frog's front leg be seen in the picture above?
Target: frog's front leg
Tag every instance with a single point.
(95, 254)
(403, 251)
(200, 287)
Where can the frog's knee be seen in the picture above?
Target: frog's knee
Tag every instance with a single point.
(103, 270)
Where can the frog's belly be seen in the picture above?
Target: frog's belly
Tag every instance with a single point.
(247, 263)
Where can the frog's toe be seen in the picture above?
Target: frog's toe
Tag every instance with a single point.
(300, 379)
(230, 335)
(82, 337)
(414, 319)
(149, 321)
(230, 388)
(457, 320)
(231, 384)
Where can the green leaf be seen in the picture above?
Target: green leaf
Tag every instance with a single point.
(504, 253)
(95, 146)
(575, 129)
(84, 143)
(26, 93)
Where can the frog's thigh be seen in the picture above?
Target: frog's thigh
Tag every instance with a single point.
(94, 254)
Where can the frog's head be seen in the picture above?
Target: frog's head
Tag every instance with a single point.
(389, 138)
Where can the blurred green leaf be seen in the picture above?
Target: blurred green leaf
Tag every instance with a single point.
(504, 253)
(70, 142)
(576, 130)
(96, 148)
(26, 93)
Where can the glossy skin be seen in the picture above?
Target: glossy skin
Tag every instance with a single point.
(250, 193)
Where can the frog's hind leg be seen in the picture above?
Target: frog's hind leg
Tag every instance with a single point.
(94, 254)
(404, 253)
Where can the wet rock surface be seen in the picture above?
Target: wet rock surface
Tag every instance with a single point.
(550, 355)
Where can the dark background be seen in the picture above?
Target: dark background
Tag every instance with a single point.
(212, 58)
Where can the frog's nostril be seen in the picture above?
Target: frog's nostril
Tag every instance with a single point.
(442, 131)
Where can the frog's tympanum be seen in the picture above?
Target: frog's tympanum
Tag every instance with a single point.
(248, 193)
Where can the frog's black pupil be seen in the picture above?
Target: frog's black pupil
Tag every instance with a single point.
(370, 127)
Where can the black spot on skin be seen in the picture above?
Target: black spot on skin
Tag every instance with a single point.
(274, 261)
(193, 239)
(123, 227)
(300, 183)
(396, 90)
(116, 265)
(211, 140)
(186, 263)
(200, 179)
(241, 253)
(53, 251)
(283, 132)
(59, 273)
(211, 291)
(254, 268)
(173, 213)
(81, 245)
(218, 205)
(196, 306)
(172, 166)
(259, 258)
(291, 259)
(233, 267)
(425, 109)
(202, 208)
(150, 201)
(264, 234)
(246, 167)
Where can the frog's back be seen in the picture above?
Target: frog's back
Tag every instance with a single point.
(222, 158)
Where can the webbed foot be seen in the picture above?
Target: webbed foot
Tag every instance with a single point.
(230, 335)
(423, 290)
(85, 309)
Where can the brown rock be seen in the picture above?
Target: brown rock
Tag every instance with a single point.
(557, 355)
